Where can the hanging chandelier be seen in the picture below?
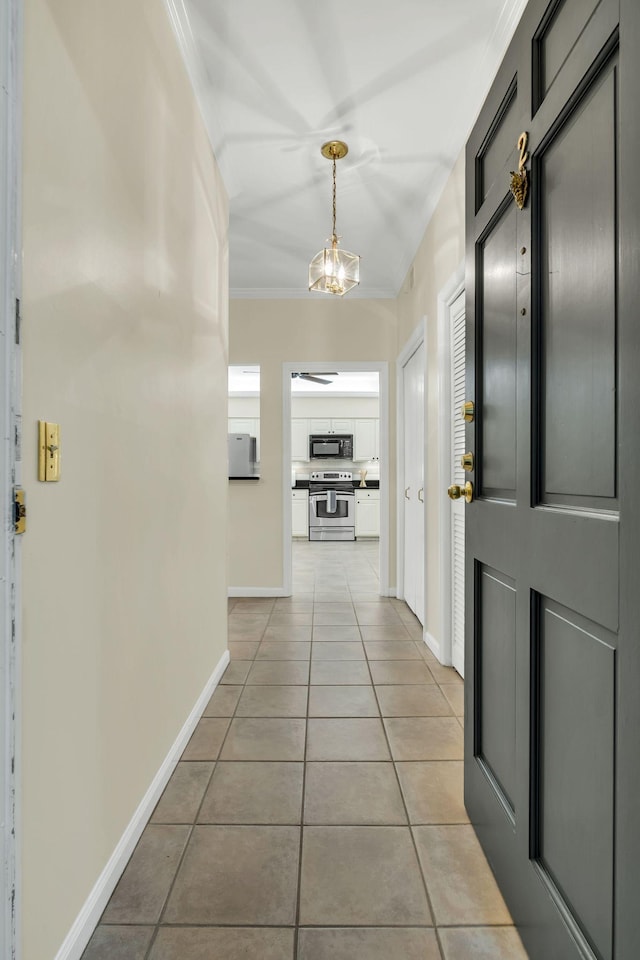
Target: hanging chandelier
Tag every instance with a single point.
(334, 270)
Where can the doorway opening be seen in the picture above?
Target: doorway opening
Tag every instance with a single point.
(336, 462)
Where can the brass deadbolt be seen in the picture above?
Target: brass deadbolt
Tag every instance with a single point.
(467, 411)
(455, 491)
(466, 461)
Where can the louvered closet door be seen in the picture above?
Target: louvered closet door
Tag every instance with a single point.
(457, 316)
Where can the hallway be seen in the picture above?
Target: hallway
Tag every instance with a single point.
(317, 811)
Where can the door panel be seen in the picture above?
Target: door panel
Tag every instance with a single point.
(552, 654)
(575, 751)
(498, 367)
(578, 316)
(496, 679)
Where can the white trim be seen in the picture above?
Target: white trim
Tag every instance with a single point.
(433, 645)
(300, 293)
(256, 592)
(341, 366)
(11, 60)
(446, 297)
(85, 923)
(418, 337)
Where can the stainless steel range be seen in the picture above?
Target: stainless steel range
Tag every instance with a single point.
(332, 505)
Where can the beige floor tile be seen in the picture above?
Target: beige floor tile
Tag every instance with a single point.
(145, 883)
(412, 700)
(206, 739)
(366, 596)
(339, 672)
(277, 672)
(284, 650)
(337, 650)
(444, 675)
(183, 794)
(282, 619)
(400, 671)
(352, 793)
(227, 943)
(342, 702)
(482, 943)
(328, 619)
(346, 739)
(237, 876)
(454, 692)
(391, 650)
(118, 943)
(250, 618)
(366, 944)
(460, 883)
(433, 791)
(425, 738)
(344, 634)
(385, 633)
(376, 614)
(277, 701)
(243, 649)
(237, 672)
(253, 606)
(223, 702)
(264, 739)
(254, 793)
(329, 596)
(291, 605)
(359, 876)
(292, 634)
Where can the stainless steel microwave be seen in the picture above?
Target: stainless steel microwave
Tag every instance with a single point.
(332, 446)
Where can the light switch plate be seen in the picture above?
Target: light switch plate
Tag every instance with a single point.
(48, 451)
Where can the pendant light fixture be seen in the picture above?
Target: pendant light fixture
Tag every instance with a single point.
(333, 270)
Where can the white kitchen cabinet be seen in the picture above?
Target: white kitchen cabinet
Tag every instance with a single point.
(366, 441)
(250, 425)
(300, 438)
(300, 513)
(331, 425)
(367, 512)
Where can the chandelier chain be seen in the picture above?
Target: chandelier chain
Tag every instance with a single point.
(333, 235)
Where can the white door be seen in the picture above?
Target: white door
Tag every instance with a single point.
(457, 474)
(413, 389)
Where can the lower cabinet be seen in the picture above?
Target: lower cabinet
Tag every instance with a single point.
(367, 512)
(300, 513)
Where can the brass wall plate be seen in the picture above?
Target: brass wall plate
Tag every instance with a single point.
(48, 451)
(19, 511)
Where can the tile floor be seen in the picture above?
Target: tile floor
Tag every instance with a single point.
(317, 812)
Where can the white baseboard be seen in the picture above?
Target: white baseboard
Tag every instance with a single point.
(85, 923)
(257, 592)
(436, 648)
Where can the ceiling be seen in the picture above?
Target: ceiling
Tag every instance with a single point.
(400, 82)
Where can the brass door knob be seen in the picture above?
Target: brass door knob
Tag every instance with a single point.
(467, 411)
(466, 461)
(455, 491)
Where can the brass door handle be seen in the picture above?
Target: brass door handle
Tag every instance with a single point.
(455, 491)
(420, 492)
(406, 493)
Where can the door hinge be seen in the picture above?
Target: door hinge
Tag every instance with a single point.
(19, 511)
(18, 321)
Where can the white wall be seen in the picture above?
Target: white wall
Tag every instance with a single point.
(439, 256)
(268, 333)
(125, 345)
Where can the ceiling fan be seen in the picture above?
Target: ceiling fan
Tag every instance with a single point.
(315, 379)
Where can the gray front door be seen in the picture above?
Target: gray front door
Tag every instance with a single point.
(552, 731)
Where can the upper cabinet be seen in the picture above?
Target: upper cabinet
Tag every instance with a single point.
(299, 438)
(331, 425)
(366, 439)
